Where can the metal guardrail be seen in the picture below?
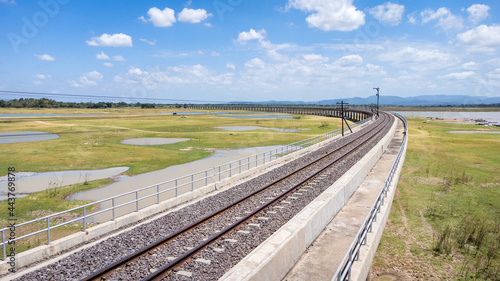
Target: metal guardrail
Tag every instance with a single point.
(133, 201)
(344, 270)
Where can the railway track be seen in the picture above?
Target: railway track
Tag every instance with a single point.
(211, 261)
(249, 211)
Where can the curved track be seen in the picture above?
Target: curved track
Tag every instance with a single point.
(315, 170)
(239, 226)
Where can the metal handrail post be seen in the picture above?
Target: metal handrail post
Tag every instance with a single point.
(4, 250)
(84, 219)
(137, 201)
(48, 230)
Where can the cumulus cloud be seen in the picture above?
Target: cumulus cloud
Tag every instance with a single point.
(87, 79)
(108, 64)
(482, 38)
(494, 75)
(330, 15)
(137, 71)
(160, 18)
(459, 75)
(470, 65)
(114, 40)
(477, 13)
(418, 59)
(388, 13)
(411, 18)
(243, 37)
(315, 58)
(193, 15)
(173, 75)
(230, 66)
(118, 58)
(350, 60)
(445, 19)
(45, 57)
(102, 56)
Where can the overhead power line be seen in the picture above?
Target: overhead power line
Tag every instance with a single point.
(106, 97)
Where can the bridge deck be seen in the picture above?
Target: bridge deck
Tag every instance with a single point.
(322, 258)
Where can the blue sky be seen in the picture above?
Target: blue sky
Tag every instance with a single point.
(228, 50)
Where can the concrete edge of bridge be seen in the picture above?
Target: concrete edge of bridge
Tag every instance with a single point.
(277, 255)
(361, 268)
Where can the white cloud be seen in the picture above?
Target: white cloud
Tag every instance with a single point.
(315, 58)
(37, 82)
(494, 75)
(230, 66)
(102, 56)
(160, 18)
(193, 15)
(214, 54)
(137, 71)
(482, 38)
(175, 75)
(477, 13)
(152, 43)
(494, 62)
(108, 64)
(411, 18)
(459, 75)
(115, 40)
(418, 59)
(118, 58)
(87, 79)
(388, 13)
(42, 76)
(350, 60)
(445, 19)
(255, 63)
(330, 15)
(243, 37)
(470, 65)
(45, 57)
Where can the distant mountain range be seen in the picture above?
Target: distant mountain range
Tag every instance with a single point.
(430, 100)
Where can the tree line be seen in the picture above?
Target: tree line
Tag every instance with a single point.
(49, 103)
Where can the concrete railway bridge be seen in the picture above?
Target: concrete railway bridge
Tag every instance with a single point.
(335, 236)
(329, 111)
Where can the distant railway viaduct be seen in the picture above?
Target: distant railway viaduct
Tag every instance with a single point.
(329, 111)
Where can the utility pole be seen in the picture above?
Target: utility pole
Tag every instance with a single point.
(342, 115)
(377, 98)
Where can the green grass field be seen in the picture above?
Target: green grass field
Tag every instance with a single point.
(445, 218)
(94, 143)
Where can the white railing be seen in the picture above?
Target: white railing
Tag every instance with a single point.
(344, 270)
(133, 201)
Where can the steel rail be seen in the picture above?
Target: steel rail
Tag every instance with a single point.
(110, 268)
(161, 273)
